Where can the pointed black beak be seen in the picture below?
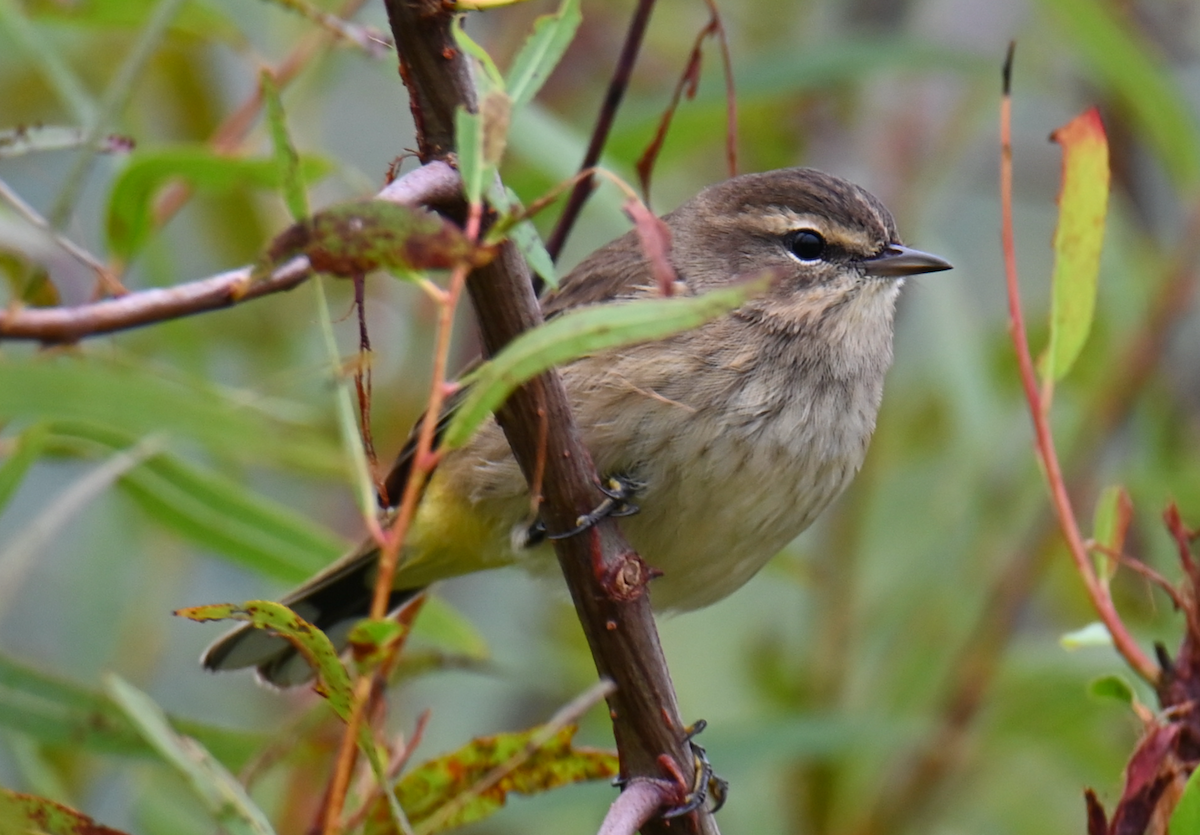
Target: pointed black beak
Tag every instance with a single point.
(897, 261)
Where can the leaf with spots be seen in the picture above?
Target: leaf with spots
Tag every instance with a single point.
(31, 815)
(473, 773)
(333, 681)
(355, 238)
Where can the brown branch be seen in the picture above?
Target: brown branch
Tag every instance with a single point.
(607, 580)
(435, 184)
(608, 112)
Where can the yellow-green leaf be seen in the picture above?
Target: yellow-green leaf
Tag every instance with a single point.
(333, 679)
(27, 814)
(427, 789)
(1082, 204)
(581, 332)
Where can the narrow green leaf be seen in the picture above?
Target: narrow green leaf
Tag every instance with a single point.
(212, 510)
(1185, 820)
(222, 794)
(333, 680)
(1130, 69)
(1114, 511)
(130, 205)
(286, 157)
(1112, 687)
(57, 712)
(522, 232)
(140, 401)
(27, 814)
(355, 238)
(468, 137)
(33, 538)
(542, 51)
(491, 78)
(1082, 205)
(371, 640)
(26, 448)
(581, 332)
(555, 763)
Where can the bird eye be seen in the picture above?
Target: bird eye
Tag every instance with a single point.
(806, 244)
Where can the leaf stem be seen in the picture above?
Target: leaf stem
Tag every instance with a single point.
(1039, 413)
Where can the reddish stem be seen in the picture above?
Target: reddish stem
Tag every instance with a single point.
(1038, 411)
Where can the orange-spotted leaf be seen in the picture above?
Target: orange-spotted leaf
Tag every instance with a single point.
(354, 238)
(1082, 204)
(425, 791)
(333, 680)
(27, 813)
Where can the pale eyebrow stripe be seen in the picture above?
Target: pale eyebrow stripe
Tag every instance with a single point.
(780, 221)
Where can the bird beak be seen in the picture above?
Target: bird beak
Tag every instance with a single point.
(896, 261)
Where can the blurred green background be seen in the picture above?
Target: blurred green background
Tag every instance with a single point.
(897, 669)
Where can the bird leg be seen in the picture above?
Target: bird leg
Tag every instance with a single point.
(617, 490)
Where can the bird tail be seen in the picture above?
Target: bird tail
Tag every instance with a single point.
(333, 601)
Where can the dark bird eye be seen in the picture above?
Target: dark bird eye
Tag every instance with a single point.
(806, 244)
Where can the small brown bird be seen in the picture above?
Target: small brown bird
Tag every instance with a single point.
(733, 436)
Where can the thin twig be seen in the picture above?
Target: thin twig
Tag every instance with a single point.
(70, 247)
(1046, 452)
(436, 183)
(635, 806)
(608, 112)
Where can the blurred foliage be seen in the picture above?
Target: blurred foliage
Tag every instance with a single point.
(898, 669)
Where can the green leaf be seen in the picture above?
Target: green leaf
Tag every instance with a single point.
(542, 51)
(197, 18)
(32, 540)
(1185, 820)
(130, 205)
(491, 78)
(26, 814)
(522, 232)
(1078, 239)
(221, 793)
(468, 137)
(371, 640)
(57, 712)
(1129, 69)
(286, 157)
(1112, 687)
(427, 789)
(354, 238)
(26, 448)
(218, 512)
(581, 332)
(333, 680)
(139, 401)
(1114, 511)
